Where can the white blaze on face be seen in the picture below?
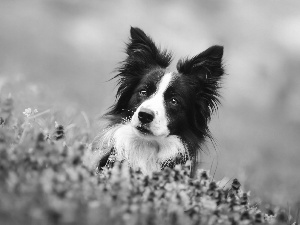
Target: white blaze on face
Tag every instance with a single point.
(159, 125)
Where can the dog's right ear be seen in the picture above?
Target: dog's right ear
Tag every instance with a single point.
(142, 50)
(142, 55)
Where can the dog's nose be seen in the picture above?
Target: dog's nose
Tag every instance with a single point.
(146, 115)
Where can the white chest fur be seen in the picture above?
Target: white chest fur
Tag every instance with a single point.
(146, 153)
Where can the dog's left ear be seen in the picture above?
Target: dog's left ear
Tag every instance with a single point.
(207, 70)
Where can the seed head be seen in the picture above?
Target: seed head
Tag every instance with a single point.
(204, 175)
(245, 216)
(59, 132)
(235, 184)
(244, 199)
(258, 217)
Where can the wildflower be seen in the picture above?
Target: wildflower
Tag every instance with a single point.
(245, 216)
(204, 175)
(269, 210)
(212, 186)
(244, 199)
(258, 217)
(59, 132)
(235, 184)
(270, 218)
(220, 197)
(27, 112)
(233, 203)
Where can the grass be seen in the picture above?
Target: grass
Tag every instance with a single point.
(42, 181)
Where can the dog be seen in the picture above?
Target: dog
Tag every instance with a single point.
(160, 118)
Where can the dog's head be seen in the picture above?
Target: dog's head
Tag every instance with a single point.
(159, 103)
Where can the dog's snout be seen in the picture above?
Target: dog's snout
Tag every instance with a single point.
(146, 115)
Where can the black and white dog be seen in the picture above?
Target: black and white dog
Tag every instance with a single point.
(160, 117)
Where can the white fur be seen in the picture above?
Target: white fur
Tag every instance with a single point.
(159, 126)
(139, 152)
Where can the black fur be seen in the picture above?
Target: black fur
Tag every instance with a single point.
(202, 75)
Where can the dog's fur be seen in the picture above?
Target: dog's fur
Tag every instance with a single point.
(160, 117)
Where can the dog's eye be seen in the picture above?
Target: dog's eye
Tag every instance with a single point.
(174, 101)
(143, 93)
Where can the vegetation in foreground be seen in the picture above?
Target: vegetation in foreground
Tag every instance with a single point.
(42, 181)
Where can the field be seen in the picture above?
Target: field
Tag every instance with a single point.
(58, 56)
(43, 181)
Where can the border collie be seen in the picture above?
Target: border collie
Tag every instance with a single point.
(160, 117)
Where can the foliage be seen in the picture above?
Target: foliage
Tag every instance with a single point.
(42, 181)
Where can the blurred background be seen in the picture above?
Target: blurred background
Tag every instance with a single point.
(61, 53)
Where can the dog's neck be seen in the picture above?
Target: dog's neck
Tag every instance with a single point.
(147, 154)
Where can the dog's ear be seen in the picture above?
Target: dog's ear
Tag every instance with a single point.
(206, 65)
(206, 70)
(142, 50)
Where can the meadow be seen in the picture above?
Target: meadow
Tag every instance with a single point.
(43, 181)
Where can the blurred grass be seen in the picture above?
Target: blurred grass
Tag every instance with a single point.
(59, 54)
